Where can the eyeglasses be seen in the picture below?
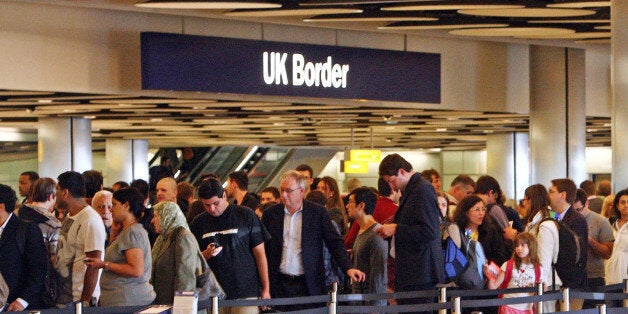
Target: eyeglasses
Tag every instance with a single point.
(282, 190)
(478, 209)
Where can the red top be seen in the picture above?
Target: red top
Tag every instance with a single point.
(384, 212)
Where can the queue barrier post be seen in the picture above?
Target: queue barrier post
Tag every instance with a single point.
(442, 298)
(602, 308)
(457, 309)
(334, 298)
(214, 305)
(78, 307)
(539, 291)
(564, 306)
(625, 291)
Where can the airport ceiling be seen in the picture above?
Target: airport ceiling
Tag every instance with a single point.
(178, 122)
(189, 121)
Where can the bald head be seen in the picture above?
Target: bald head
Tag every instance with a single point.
(167, 190)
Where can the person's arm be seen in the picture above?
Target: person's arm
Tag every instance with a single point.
(547, 240)
(379, 263)
(603, 250)
(494, 284)
(134, 266)
(259, 252)
(185, 261)
(91, 276)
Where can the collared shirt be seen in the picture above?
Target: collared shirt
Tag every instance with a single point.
(291, 255)
(4, 225)
(560, 216)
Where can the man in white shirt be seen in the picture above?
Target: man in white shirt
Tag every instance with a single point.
(82, 236)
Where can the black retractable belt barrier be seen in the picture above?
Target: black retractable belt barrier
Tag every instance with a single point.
(505, 301)
(587, 311)
(395, 308)
(345, 299)
(480, 293)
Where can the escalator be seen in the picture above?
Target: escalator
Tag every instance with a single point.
(262, 164)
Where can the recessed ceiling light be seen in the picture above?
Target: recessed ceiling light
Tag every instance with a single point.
(581, 4)
(603, 27)
(528, 12)
(361, 18)
(582, 35)
(44, 101)
(432, 27)
(584, 21)
(207, 4)
(451, 7)
(511, 31)
(594, 41)
(291, 12)
(441, 130)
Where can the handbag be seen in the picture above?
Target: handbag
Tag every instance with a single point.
(207, 285)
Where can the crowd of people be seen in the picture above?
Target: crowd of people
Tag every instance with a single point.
(116, 247)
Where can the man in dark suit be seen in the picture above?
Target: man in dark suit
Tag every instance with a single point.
(562, 194)
(24, 270)
(297, 269)
(416, 243)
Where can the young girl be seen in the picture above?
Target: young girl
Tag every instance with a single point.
(522, 270)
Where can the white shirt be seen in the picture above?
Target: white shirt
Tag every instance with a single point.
(291, 254)
(4, 225)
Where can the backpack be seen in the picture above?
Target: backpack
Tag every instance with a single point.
(455, 261)
(466, 274)
(568, 261)
(51, 284)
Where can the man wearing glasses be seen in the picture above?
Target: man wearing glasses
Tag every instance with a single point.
(298, 230)
(416, 243)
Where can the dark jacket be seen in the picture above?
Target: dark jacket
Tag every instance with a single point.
(418, 249)
(316, 230)
(24, 273)
(578, 224)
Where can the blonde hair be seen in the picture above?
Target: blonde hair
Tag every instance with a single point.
(607, 206)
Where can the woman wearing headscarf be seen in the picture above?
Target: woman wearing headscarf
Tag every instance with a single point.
(175, 253)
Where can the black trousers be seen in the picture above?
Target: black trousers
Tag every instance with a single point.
(292, 287)
(429, 286)
(593, 285)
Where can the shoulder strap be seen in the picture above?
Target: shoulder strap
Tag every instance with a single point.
(508, 274)
(455, 234)
(537, 273)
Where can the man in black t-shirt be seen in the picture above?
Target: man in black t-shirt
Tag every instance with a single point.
(232, 238)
